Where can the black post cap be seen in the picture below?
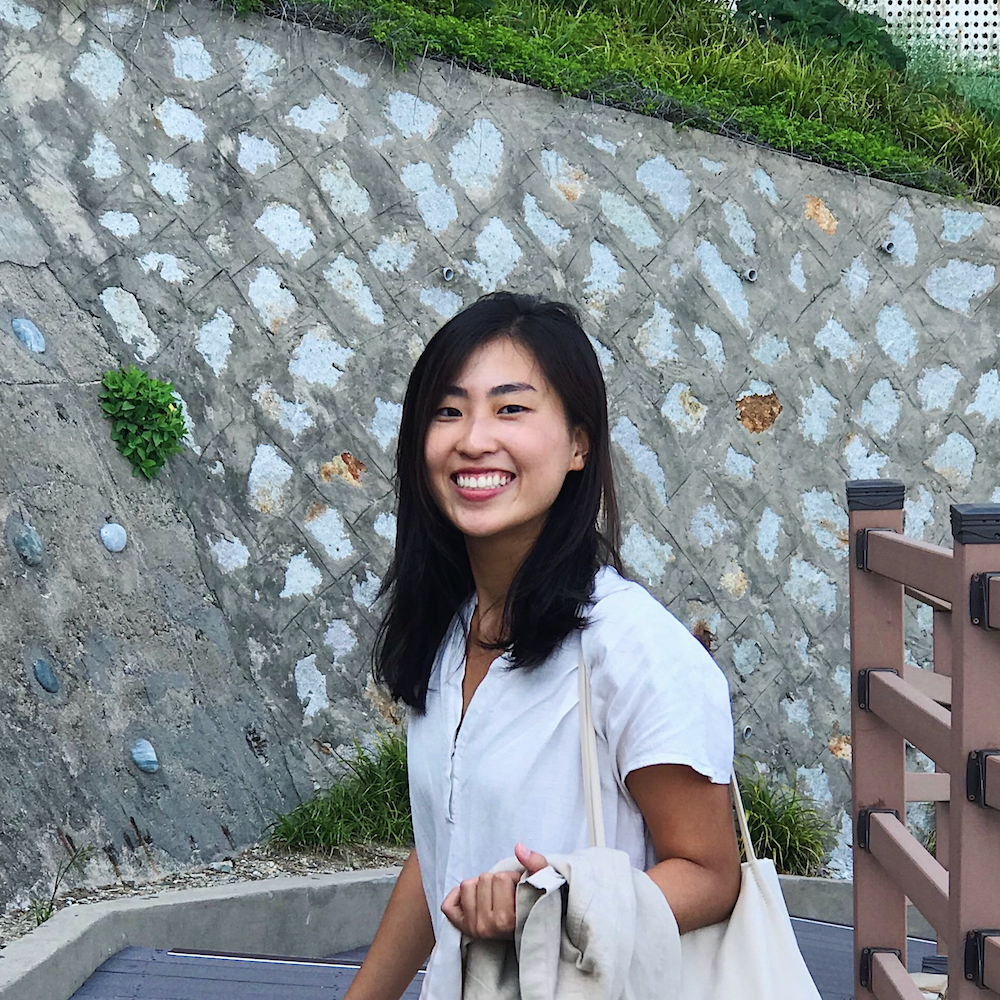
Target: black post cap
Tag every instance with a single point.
(976, 523)
(875, 494)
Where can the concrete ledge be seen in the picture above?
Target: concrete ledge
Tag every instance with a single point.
(307, 917)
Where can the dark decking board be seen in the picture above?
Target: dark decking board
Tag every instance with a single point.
(151, 974)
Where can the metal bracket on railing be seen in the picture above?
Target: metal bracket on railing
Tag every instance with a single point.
(864, 826)
(975, 954)
(861, 546)
(868, 960)
(864, 684)
(975, 775)
(979, 601)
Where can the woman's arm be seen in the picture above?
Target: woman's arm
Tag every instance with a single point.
(690, 821)
(402, 943)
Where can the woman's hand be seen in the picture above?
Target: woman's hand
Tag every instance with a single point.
(483, 907)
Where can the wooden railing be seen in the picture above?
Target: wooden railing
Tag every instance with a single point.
(952, 714)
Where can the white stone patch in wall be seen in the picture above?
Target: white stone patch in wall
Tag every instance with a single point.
(956, 226)
(767, 621)
(394, 253)
(856, 278)
(724, 280)
(344, 278)
(925, 618)
(283, 226)
(881, 408)
(301, 577)
(188, 440)
(273, 302)
(256, 152)
(763, 183)
(445, 303)
(683, 409)
(498, 254)
(842, 678)
(339, 638)
(647, 555)
(740, 230)
(435, 203)
(708, 526)
(310, 686)
(626, 435)
(861, 463)
(655, 338)
(815, 782)
(666, 182)
(230, 554)
(315, 116)
(715, 353)
(318, 359)
(918, 513)
(841, 861)
(809, 585)
(120, 18)
(599, 142)
(739, 465)
(954, 460)
(818, 409)
(733, 581)
(385, 527)
(936, 387)
(802, 649)
(346, 196)
(217, 469)
(712, 166)
(955, 285)
(131, 324)
(122, 224)
(675, 270)
(796, 275)
(19, 15)
(364, 592)
(385, 423)
(269, 475)
(603, 281)
(100, 71)
(903, 235)
(260, 62)
(378, 141)
(548, 231)
(987, 400)
(191, 59)
(327, 527)
(757, 387)
(630, 219)
(102, 158)
(294, 417)
(352, 76)
(995, 498)
(826, 521)
(839, 344)
(179, 122)
(747, 656)
(771, 350)
(169, 181)
(605, 357)
(215, 340)
(411, 115)
(567, 181)
(173, 270)
(895, 335)
(476, 158)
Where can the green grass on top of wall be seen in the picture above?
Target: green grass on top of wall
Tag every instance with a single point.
(690, 61)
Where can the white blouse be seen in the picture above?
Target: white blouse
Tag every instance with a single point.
(511, 771)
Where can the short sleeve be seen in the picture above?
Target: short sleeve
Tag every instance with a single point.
(659, 697)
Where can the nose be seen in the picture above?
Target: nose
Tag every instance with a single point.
(477, 436)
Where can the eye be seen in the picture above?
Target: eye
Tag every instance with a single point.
(447, 411)
(513, 409)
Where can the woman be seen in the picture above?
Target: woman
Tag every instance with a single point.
(503, 567)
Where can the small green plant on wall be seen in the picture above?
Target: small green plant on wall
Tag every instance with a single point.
(147, 418)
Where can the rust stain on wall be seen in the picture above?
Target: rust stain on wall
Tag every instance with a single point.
(817, 212)
(382, 701)
(704, 634)
(315, 510)
(757, 413)
(840, 745)
(345, 466)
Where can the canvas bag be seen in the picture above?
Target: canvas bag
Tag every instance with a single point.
(753, 954)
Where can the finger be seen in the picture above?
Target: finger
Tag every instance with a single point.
(484, 922)
(532, 860)
(504, 909)
(452, 908)
(467, 900)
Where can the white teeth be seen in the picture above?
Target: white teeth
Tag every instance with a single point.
(484, 482)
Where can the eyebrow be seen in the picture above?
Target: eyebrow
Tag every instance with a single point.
(498, 390)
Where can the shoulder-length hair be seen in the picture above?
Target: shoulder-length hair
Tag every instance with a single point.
(430, 578)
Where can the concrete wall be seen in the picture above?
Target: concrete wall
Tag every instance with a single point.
(277, 220)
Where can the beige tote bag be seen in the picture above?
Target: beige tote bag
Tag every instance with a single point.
(752, 955)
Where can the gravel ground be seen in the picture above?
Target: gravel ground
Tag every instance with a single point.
(248, 866)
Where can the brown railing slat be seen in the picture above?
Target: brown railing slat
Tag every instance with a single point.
(936, 686)
(919, 874)
(891, 981)
(920, 565)
(929, 599)
(928, 786)
(913, 715)
(991, 964)
(992, 797)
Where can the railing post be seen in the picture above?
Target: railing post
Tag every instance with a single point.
(878, 752)
(974, 831)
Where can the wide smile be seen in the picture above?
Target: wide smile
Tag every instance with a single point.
(481, 486)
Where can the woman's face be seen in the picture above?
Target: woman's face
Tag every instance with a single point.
(498, 447)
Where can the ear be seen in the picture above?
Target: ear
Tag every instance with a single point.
(581, 449)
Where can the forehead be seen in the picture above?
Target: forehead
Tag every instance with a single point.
(499, 361)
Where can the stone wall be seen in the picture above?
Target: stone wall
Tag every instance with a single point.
(277, 220)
